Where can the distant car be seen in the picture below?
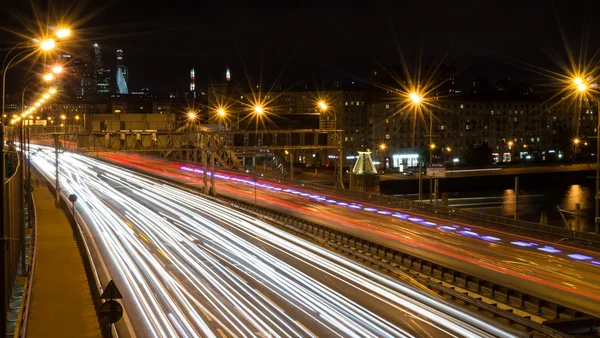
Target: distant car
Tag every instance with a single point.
(408, 173)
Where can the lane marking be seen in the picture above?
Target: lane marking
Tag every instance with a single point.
(269, 300)
(305, 329)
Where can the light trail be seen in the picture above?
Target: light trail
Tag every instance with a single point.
(195, 268)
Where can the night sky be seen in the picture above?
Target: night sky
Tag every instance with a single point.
(311, 39)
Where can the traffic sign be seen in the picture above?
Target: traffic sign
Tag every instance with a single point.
(436, 170)
(111, 310)
(111, 292)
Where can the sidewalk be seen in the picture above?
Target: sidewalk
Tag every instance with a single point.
(61, 303)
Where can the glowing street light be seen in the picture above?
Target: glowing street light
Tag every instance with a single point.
(221, 112)
(47, 44)
(52, 91)
(258, 109)
(63, 33)
(510, 143)
(191, 115)
(46, 96)
(323, 105)
(57, 69)
(415, 98)
(382, 146)
(576, 141)
(577, 81)
(63, 117)
(432, 146)
(48, 77)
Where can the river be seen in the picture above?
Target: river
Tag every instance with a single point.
(531, 203)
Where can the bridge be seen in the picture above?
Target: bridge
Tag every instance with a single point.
(503, 267)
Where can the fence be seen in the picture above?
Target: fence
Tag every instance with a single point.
(14, 230)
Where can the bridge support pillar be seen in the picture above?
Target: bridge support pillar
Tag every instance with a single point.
(291, 164)
(213, 190)
(204, 172)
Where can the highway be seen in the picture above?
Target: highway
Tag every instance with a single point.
(563, 274)
(190, 267)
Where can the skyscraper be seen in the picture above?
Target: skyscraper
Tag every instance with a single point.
(122, 74)
(193, 81)
(101, 73)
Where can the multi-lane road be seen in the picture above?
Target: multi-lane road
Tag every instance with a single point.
(190, 267)
(566, 275)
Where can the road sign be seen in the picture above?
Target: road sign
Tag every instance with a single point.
(111, 310)
(111, 292)
(436, 170)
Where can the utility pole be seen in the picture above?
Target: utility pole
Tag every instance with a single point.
(516, 197)
(420, 182)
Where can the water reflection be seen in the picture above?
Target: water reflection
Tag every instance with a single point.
(576, 194)
(532, 203)
(508, 202)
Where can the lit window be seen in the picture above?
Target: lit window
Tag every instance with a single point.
(387, 121)
(462, 106)
(357, 103)
(346, 138)
(387, 106)
(443, 127)
(387, 136)
(346, 103)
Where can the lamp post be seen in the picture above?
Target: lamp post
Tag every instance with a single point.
(337, 140)
(583, 88)
(221, 113)
(382, 148)
(258, 112)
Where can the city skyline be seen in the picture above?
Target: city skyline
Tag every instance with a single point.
(160, 49)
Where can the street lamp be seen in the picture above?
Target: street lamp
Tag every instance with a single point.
(382, 147)
(258, 112)
(221, 113)
(583, 88)
(63, 33)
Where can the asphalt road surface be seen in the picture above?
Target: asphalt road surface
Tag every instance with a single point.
(190, 267)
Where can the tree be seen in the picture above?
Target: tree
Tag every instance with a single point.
(482, 154)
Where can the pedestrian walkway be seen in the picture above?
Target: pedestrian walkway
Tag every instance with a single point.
(61, 304)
